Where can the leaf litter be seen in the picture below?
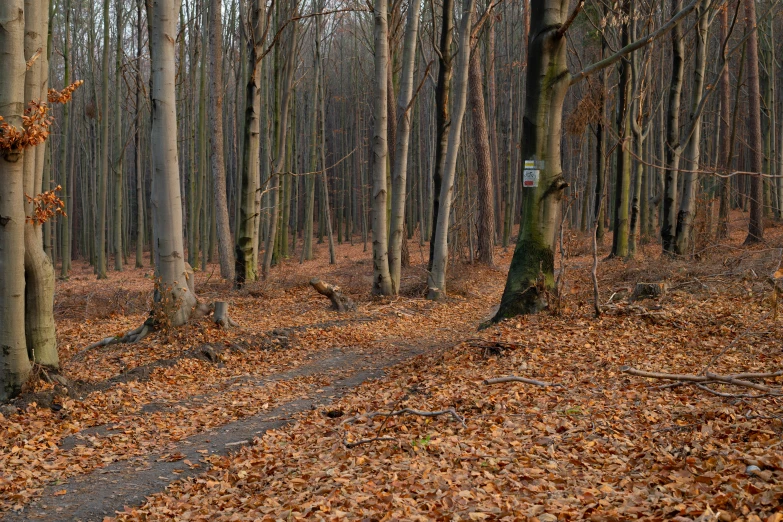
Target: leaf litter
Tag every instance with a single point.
(603, 445)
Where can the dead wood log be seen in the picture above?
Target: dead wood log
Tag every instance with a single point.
(648, 291)
(525, 380)
(340, 301)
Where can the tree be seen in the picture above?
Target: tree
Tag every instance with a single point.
(382, 283)
(756, 224)
(14, 362)
(39, 271)
(166, 199)
(247, 231)
(436, 283)
(531, 274)
(225, 251)
(103, 181)
(484, 157)
(400, 174)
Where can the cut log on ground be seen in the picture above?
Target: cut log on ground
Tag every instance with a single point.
(340, 301)
(648, 291)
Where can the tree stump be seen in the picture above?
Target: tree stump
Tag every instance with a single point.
(220, 316)
(648, 291)
(340, 302)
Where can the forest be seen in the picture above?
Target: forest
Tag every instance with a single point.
(391, 260)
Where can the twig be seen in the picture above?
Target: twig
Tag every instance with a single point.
(367, 441)
(513, 378)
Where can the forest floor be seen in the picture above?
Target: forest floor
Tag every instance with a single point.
(272, 420)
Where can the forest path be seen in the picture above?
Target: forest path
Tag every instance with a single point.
(103, 491)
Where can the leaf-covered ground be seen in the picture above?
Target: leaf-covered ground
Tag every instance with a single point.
(603, 445)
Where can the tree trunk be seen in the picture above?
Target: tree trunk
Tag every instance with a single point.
(39, 272)
(225, 250)
(756, 225)
(14, 360)
(118, 165)
(285, 87)
(481, 147)
(437, 278)
(673, 136)
(166, 199)
(690, 181)
(103, 180)
(623, 182)
(247, 233)
(65, 234)
(399, 176)
(442, 113)
(382, 283)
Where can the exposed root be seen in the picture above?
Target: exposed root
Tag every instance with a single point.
(218, 309)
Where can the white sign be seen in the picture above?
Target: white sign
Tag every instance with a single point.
(530, 177)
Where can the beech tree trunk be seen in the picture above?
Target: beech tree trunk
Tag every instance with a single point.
(103, 180)
(283, 97)
(247, 232)
(118, 164)
(399, 176)
(691, 154)
(437, 277)
(39, 272)
(225, 250)
(442, 113)
(166, 198)
(14, 360)
(755, 144)
(65, 226)
(672, 162)
(382, 283)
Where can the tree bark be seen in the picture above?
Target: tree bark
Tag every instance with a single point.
(39, 272)
(223, 232)
(166, 199)
(673, 136)
(482, 149)
(436, 284)
(623, 181)
(118, 164)
(247, 233)
(442, 113)
(400, 173)
(103, 180)
(14, 360)
(691, 154)
(755, 144)
(382, 283)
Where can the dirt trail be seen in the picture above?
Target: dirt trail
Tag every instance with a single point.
(95, 495)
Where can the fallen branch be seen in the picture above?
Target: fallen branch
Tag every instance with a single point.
(711, 378)
(525, 380)
(367, 441)
(340, 302)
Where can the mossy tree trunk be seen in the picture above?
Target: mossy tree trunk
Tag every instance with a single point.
(531, 274)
